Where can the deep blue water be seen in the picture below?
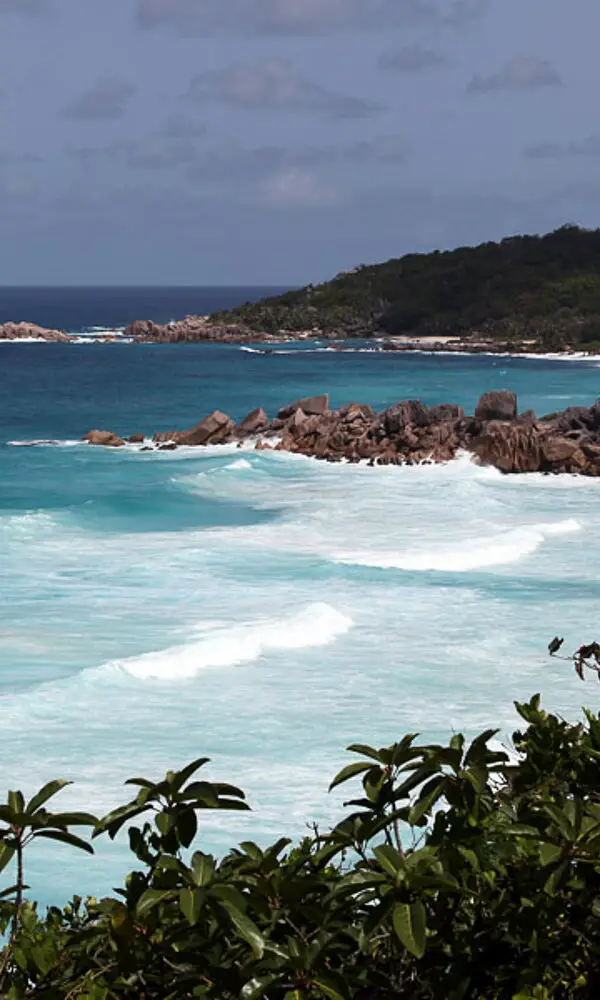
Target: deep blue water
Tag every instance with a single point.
(83, 309)
(260, 608)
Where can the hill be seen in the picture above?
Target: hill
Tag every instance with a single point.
(536, 288)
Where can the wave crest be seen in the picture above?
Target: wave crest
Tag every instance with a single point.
(316, 625)
(468, 555)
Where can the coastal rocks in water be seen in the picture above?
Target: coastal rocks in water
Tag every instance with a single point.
(498, 404)
(508, 447)
(135, 439)
(31, 331)
(557, 451)
(444, 412)
(192, 329)
(312, 406)
(254, 422)
(105, 439)
(409, 413)
(408, 433)
(217, 428)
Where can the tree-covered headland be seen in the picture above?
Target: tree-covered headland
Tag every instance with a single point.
(525, 288)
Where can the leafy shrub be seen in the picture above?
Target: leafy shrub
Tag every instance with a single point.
(459, 872)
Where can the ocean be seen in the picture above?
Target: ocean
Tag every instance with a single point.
(261, 609)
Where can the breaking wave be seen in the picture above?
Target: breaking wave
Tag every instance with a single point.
(467, 556)
(317, 625)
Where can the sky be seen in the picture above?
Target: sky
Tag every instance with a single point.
(199, 142)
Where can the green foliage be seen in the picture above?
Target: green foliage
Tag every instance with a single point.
(457, 872)
(546, 289)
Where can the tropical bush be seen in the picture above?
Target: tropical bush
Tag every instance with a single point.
(458, 872)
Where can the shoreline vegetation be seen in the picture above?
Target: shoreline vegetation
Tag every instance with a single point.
(408, 433)
(457, 871)
(526, 295)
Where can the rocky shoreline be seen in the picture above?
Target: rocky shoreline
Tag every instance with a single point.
(201, 329)
(408, 433)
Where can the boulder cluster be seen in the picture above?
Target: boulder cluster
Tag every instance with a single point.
(193, 329)
(31, 331)
(407, 433)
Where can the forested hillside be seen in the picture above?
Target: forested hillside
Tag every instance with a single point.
(545, 288)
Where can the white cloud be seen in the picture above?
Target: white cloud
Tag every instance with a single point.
(296, 187)
(274, 85)
(520, 73)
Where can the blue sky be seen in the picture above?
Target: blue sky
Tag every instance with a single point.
(281, 141)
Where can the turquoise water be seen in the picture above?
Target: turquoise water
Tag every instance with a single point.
(263, 609)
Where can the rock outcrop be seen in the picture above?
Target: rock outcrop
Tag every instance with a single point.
(408, 433)
(217, 428)
(105, 438)
(313, 406)
(254, 423)
(193, 329)
(497, 405)
(31, 331)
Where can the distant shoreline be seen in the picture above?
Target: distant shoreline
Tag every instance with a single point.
(200, 330)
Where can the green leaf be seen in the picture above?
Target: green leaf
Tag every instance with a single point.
(390, 859)
(203, 868)
(561, 819)
(182, 776)
(479, 747)
(164, 822)
(433, 790)
(554, 880)
(349, 772)
(477, 777)
(10, 891)
(334, 987)
(221, 788)
(246, 928)
(256, 988)
(65, 838)
(16, 802)
(113, 822)
(187, 827)
(6, 856)
(549, 853)
(73, 819)
(190, 904)
(7, 815)
(366, 751)
(410, 925)
(151, 898)
(46, 793)
(202, 794)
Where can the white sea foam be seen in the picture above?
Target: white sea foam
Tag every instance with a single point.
(104, 329)
(85, 605)
(316, 625)
(43, 443)
(469, 555)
